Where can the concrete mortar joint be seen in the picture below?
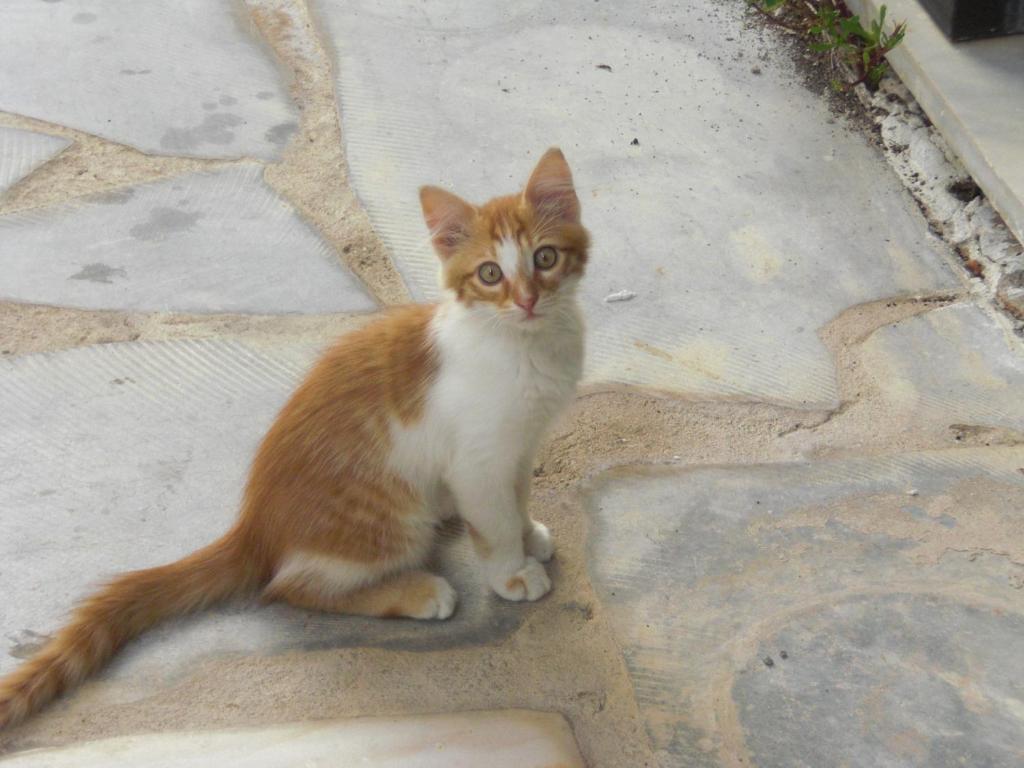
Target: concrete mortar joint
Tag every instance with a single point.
(90, 165)
(951, 201)
(312, 174)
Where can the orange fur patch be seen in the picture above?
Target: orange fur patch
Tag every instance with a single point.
(480, 544)
(320, 481)
(403, 595)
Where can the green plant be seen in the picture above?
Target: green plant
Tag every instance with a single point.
(831, 29)
(863, 49)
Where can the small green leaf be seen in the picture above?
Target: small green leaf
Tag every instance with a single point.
(851, 27)
(876, 73)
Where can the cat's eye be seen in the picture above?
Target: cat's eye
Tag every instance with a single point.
(489, 273)
(545, 258)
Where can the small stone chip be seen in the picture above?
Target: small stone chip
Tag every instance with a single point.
(623, 295)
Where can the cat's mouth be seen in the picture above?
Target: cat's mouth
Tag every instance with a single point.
(529, 315)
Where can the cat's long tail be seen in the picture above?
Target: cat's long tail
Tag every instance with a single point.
(127, 606)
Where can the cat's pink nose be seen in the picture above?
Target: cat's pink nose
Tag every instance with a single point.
(527, 303)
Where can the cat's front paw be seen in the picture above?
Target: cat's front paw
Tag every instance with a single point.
(530, 582)
(538, 542)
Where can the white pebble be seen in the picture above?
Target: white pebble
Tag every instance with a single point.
(622, 295)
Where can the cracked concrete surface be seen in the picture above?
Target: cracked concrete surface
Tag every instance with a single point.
(787, 501)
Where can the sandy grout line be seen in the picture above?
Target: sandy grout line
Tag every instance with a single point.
(91, 165)
(313, 171)
(27, 329)
(599, 436)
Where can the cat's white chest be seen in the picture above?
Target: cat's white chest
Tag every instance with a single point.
(516, 389)
(492, 398)
(513, 383)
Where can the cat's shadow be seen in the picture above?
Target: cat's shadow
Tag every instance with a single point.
(171, 651)
(480, 617)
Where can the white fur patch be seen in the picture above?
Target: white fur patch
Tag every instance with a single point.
(496, 391)
(324, 572)
(508, 257)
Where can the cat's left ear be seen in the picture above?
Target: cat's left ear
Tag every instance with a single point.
(550, 190)
(448, 218)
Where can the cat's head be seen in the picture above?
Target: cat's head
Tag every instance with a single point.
(516, 259)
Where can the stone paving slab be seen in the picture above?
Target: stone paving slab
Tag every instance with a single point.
(709, 575)
(510, 739)
(21, 152)
(221, 241)
(954, 364)
(743, 218)
(888, 681)
(974, 93)
(125, 456)
(184, 78)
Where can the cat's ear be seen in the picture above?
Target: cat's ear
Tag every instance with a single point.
(550, 190)
(448, 218)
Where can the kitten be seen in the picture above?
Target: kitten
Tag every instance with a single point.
(432, 411)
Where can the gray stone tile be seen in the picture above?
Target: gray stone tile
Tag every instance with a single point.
(503, 739)
(203, 242)
(21, 152)
(886, 682)
(743, 219)
(184, 78)
(953, 364)
(123, 456)
(974, 93)
(895, 577)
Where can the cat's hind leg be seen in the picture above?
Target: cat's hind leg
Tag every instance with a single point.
(325, 583)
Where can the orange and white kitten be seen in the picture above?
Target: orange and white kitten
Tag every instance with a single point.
(432, 411)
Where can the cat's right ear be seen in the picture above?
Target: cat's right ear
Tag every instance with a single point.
(448, 218)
